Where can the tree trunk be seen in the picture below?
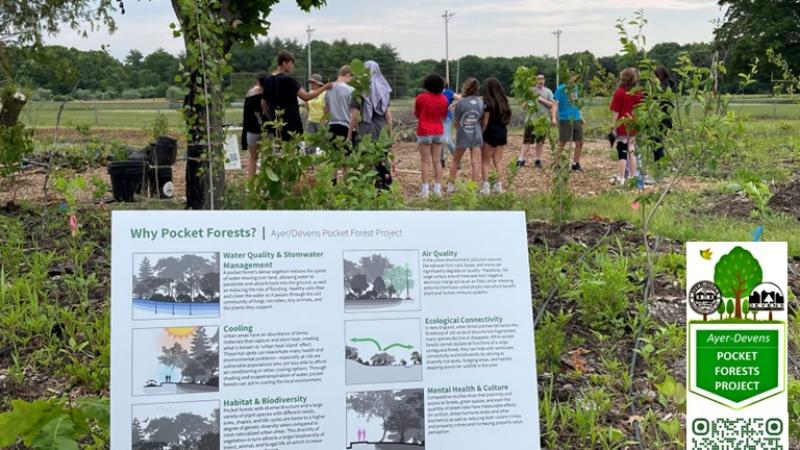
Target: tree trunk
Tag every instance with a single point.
(738, 312)
(10, 110)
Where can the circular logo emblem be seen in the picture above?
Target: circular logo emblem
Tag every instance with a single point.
(705, 297)
(168, 189)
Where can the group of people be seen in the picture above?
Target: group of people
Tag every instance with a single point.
(481, 118)
(274, 99)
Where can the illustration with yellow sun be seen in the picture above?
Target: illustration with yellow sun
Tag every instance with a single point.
(175, 360)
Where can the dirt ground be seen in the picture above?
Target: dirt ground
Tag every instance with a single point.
(597, 164)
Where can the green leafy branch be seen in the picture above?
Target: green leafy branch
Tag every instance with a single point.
(56, 424)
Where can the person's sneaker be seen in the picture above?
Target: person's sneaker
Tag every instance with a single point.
(437, 190)
(649, 181)
(485, 188)
(520, 163)
(451, 188)
(576, 167)
(424, 192)
(497, 188)
(537, 164)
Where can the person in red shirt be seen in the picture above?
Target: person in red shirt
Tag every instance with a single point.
(430, 108)
(622, 104)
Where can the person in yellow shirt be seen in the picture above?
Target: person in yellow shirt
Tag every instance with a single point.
(316, 107)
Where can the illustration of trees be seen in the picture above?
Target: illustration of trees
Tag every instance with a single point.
(137, 434)
(350, 270)
(375, 266)
(201, 346)
(730, 308)
(358, 284)
(737, 273)
(174, 357)
(401, 278)
(350, 353)
(373, 404)
(721, 310)
(390, 291)
(378, 287)
(209, 284)
(403, 418)
(416, 358)
(145, 271)
(746, 308)
(382, 359)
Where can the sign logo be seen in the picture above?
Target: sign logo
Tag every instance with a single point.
(767, 297)
(705, 297)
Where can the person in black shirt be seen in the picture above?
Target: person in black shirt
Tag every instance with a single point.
(281, 92)
(252, 121)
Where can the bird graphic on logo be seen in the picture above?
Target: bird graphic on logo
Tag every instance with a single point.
(706, 254)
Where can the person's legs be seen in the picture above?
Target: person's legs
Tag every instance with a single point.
(576, 159)
(497, 159)
(438, 171)
(252, 162)
(577, 136)
(425, 162)
(537, 152)
(523, 155)
(475, 163)
(632, 160)
(486, 165)
(456, 161)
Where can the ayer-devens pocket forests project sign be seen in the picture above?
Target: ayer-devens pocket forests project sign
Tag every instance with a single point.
(322, 330)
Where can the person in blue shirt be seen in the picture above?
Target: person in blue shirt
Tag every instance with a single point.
(448, 123)
(570, 119)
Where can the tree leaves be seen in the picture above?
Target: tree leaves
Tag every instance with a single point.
(53, 424)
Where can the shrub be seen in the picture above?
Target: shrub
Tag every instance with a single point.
(15, 142)
(131, 94)
(148, 92)
(602, 294)
(83, 94)
(42, 94)
(174, 94)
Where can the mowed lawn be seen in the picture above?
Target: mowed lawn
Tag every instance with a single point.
(138, 114)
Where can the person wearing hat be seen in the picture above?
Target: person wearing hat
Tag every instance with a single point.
(315, 107)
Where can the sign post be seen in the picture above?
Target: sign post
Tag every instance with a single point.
(321, 330)
(737, 347)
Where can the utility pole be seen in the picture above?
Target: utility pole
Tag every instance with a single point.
(447, 16)
(557, 34)
(309, 30)
(458, 74)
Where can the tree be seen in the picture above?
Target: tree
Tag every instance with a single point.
(218, 25)
(750, 27)
(137, 434)
(174, 357)
(145, 271)
(373, 404)
(375, 266)
(391, 290)
(416, 358)
(358, 284)
(200, 345)
(27, 22)
(729, 308)
(721, 310)
(401, 278)
(350, 353)
(746, 308)
(209, 284)
(378, 287)
(382, 359)
(737, 273)
(403, 419)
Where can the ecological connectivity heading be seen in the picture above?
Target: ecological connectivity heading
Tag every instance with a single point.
(152, 234)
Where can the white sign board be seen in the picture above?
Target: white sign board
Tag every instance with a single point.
(736, 318)
(322, 330)
(233, 160)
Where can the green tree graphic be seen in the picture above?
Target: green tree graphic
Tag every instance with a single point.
(737, 273)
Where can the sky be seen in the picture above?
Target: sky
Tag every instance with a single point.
(416, 27)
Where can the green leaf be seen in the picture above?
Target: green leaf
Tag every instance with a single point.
(97, 408)
(271, 175)
(25, 419)
(58, 434)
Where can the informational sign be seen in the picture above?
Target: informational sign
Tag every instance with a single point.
(736, 316)
(233, 160)
(322, 330)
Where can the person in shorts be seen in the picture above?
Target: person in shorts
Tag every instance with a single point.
(570, 119)
(316, 110)
(337, 106)
(252, 121)
(467, 117)
(496, 117)
(622, 105)
(545, 107)
(430, 109)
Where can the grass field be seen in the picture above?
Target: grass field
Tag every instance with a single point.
(138, 114)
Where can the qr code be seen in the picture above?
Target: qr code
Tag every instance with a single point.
(737, 434)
